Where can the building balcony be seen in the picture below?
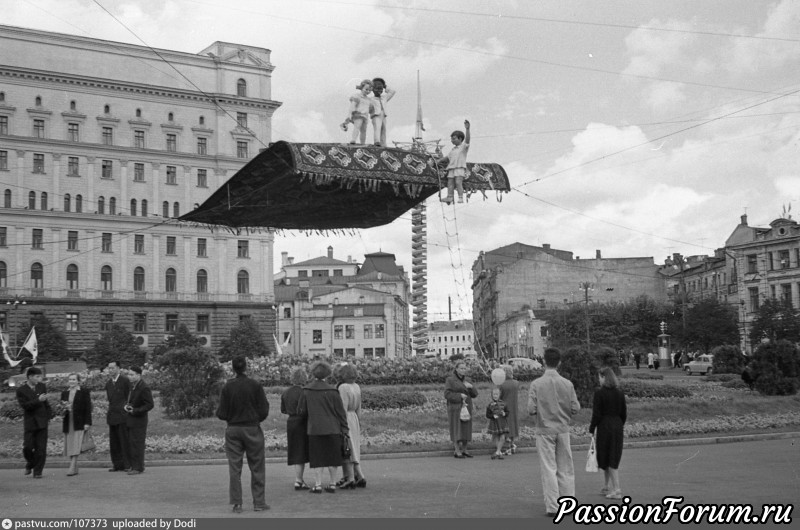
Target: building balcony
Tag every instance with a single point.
(104, 294)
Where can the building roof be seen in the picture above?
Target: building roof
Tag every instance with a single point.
(349, 310)
(290, 293)
(451, 325)
(320, 261)
(382, 262)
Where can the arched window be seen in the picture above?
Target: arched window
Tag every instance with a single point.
(101, 205)
(107, 109)
(32, 200)
(43, 200)
(133, 207)
(3, 274)
(106, 278)
(7, 199)
(112, 206)
(170, 117)
(171, 283)
(138, 279)
(79, 203)
(241, 88)
(202, 120)
(138, 113)
(202, 281)
(37, 276)
(144, 207)
(176, 210)
(73, 105)
(67, 202)
(72, 277)
(243, 283)
(38, 101)
(165, 209)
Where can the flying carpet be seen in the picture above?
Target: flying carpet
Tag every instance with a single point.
(317, 186)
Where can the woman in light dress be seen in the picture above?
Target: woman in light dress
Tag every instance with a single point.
(351, 398)
(77, 420)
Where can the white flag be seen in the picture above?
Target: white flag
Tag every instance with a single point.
(5, 351)
(277, 345)
(32, 345)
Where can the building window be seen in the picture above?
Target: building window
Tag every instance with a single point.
(133, 207)
(32, 200)
(79, 203)
(72, 277)
(73, 166)
(349, 332)
(3, 160)
(337, 332)
(38, 163)
(37, 276)
(171, 280)
(202, 281)
(72, 240)
(140, 322)
(38, 128)
(367, 331)
(172, 175)
(43, 200)
(7, 199)
(67, 201)
(38, 236)
(241, 88)
(112, 206)
(302, 274)
(72, 322)
(786, 293)
(202, 146)
(138, 139)
(753, 292)
(287, 312)
(108, 136)
(138, 172)
(73, 132)
(317, 336)
(3, 236)
(202, 178)
(338, 272)
(3, 283)
(379, 331)
(144, 207)
(752, 263)
(380, 352)
(3, 124)
(101, 205)
(171, 246)
(202, 250)
(107, 109)
(368, 352)
(138, 244)
(176, 209)
(171, 323)
(338, 352)
(783, 259)
(138, 279)
(106, 242)
(203, 325)
(241, 119)
(170, 117)
(241, 149)
(172, 142)
(106, 321)
(317, 273)
(243, 282)
(106, 278)
(165, 209)
(107, 168)
(243, 248)
(244, 318)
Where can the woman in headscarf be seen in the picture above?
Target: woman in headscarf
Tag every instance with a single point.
(509, 391)
(459, 392)
(296, 427)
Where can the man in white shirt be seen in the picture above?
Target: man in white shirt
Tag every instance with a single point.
(381, 95)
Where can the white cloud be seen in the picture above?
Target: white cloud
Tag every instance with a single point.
(747, 55)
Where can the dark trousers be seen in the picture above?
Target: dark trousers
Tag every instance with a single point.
(118, 442)
(249, 440)
(34, 449)
(637, 363)
(136, 437)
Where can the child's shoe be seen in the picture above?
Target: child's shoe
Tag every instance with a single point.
(497, 456)
(461, 199)
(448, 200)
(513, 449)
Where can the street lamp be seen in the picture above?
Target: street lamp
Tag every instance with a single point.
(17, 301)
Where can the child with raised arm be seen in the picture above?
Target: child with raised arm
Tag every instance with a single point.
(497, 411)
(456, 161)
(360, 108)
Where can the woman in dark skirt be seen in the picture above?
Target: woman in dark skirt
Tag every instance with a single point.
(322, 405)
(608, 418)
(296, 427)
(458, 391)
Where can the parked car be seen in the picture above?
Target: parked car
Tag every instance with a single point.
(524, 362)
(54, 369)
(701, 365)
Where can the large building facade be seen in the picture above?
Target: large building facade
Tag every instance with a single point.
(102, 145)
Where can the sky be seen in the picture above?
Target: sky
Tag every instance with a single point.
(637, 128)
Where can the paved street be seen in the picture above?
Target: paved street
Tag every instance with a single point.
(426, 486)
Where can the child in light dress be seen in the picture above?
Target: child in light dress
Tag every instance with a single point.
(456, 161)
(497, 411)
(360, 109)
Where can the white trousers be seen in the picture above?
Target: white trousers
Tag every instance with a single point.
(557, 469)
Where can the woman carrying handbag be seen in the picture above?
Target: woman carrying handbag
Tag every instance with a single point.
(459, 392)
(77, 421)
(609, 413)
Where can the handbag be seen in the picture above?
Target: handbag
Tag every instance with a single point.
(464, 416)
(591, 458)
(347, 447)
(87, 443)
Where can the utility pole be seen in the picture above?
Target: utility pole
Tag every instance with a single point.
(586, 286)
(680, 262)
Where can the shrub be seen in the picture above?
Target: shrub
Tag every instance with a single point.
(390, 399)
(116, 344)
(580, 367)
(722, 378)
(11, 409)
(190, 380)
(735, 383)
(245, 339)
(605, 356)
(728, 360)
(776, 368)
(642, 389)
(642, 375)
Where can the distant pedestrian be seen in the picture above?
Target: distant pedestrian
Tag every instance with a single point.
(676, 363)
(638, 358)
(296, 427)
(656, 362)
(243, 406)
(650, 358)
(497, 413)
(509, 393)
(553, 401)
(140, 402)
(32, 397)
(117, 389)
(609, 414)
(748, 377)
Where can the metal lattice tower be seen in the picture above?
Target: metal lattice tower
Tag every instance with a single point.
(419, 280)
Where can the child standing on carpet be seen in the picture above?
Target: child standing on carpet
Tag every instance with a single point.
(456, 161)
(497, 411)
(360, 108)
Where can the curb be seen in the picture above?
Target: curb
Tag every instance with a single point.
(428, 454)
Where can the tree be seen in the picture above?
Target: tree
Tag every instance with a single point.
(710, 323)
(190, 380)
(117, 344)
(728, 360)
(182, 338)
(776, 368)
(580, 367)
(244, 339)
(775, 320)
(51, 340)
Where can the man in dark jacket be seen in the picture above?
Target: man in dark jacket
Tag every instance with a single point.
(32, 397)
(244, 406)
(117, 390)
(140, 401)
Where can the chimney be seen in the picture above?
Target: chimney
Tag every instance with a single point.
(291, 261)
(349, 259)
(598, 255)
(330, 252)
(284, 259)
(546, 246)
(744, 220)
